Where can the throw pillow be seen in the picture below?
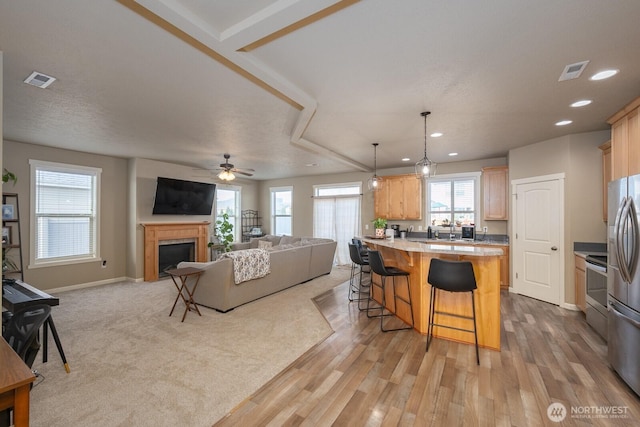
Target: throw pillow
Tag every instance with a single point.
(264, 245)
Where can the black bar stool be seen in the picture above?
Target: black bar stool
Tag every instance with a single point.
(378, 267)
(452, 276)
(357, 269)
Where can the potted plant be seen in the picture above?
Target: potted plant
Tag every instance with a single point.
(379, 224)
(9, 176)
(224, 232)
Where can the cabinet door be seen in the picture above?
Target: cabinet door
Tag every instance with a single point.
(633, 138)
(581, 283)
(504, 268)
(606, 177)
(381, 201)
(412, 197)
(495, 193)
(396, 198)
(619, 149)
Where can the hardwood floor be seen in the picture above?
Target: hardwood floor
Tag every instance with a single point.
(361, 376)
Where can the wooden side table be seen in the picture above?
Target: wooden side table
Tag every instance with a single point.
(183, 274)
(15, 384)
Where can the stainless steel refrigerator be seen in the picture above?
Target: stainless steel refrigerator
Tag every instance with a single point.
(623, 279)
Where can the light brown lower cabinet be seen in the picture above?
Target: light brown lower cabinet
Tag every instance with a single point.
(504, 259)
(581, 283)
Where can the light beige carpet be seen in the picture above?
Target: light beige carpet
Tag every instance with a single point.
(133, 365)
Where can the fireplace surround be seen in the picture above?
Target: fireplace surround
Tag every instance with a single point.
(155, 233)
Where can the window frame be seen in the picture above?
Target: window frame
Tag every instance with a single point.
(94, 255)
(272, 193)
(237, 225)
(475, 176)
(318, 187)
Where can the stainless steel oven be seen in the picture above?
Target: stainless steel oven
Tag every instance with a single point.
(596, 297)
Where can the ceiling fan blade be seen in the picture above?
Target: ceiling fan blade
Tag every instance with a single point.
(242, 172)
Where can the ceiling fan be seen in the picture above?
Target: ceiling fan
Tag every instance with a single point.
(228, 170)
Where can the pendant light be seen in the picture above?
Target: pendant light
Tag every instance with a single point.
(425, 167)
(375, 182)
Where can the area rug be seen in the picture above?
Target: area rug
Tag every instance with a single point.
(132, 364)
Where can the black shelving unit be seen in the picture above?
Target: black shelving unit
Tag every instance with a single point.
(11, 237)
(251, 225)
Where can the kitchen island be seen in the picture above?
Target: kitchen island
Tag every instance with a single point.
(415, 257)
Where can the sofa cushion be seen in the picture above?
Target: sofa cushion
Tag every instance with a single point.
(263, 244)
(283, 246)
(287, 240)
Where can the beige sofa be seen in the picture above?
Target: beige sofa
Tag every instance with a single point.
(293, 260)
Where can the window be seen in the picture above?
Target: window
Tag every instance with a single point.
(281, 211)
(64, 214)
(453, 199)
(336, 215)
(228, 201)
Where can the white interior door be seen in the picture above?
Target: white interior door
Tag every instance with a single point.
(538, 230)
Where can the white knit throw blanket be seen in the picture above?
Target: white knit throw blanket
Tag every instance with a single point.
(249, 264)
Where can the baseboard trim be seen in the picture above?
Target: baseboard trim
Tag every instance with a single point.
(91, 284)
(571, 307)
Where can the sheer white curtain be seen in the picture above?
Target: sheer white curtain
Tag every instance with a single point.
(337, 218)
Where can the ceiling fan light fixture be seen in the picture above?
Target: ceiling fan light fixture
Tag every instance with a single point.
(425, 167)
(226, 175)
(375, 182)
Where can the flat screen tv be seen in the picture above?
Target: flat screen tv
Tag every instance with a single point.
(178, 197)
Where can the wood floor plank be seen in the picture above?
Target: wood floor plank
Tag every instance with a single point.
(360, 376)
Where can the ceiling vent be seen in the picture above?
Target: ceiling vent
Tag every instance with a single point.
(39, 80)
(573, 71)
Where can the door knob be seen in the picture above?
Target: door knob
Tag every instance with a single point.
(554, 248)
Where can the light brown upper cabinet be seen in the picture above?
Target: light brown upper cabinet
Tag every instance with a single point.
(606, 176)
(400, 198)
(625, 141)
(495, 182)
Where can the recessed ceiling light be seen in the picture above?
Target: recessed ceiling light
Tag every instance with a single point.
(604, 74)
(436, 134)
(453, 154)
(581, 103)
(405, 159)
(564, 122)
(311, 165)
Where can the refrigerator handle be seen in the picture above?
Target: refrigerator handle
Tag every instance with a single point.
(616, 230)
(633, 235)
(618, 313)
(620, 225)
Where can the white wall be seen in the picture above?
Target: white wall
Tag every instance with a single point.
(578, 157)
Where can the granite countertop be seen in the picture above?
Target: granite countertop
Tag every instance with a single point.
(583, 249)
(411, 245)
(458, 241)
(584, 254)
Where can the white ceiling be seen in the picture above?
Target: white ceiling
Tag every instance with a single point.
(282, 84)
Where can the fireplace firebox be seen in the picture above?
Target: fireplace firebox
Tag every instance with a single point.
(170, 255)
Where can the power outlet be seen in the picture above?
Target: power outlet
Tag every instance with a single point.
(485, 229)
(366, 226)
(104, 263)
(419, 228)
